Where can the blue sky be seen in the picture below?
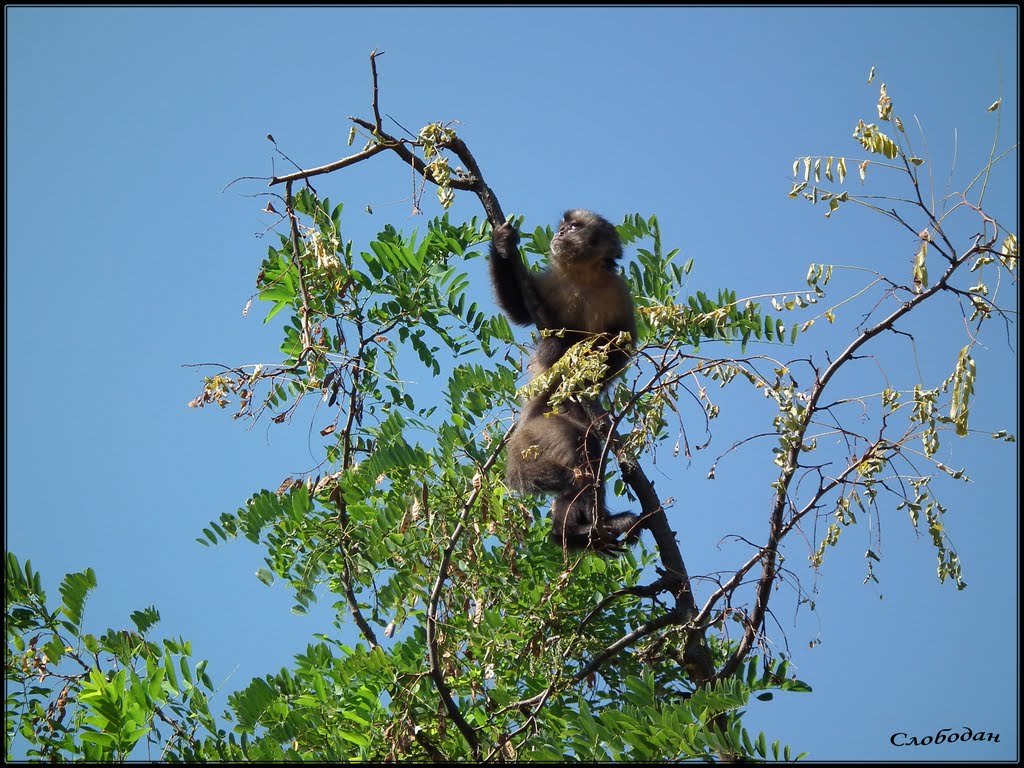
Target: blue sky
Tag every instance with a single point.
(126, 259)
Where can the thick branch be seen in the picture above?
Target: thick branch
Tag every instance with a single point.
(699, 664)
(487, 197)
(674, 576)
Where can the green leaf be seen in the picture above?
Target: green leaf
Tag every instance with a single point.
(99, 739)
(356, 738)
(74, 590)
(145, 619)
(278, 292)
(276, 308)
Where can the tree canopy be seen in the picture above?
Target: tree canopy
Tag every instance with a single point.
(474, 637)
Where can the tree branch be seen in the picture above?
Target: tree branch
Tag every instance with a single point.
(293, 219)
(675, 577)
(378, 128)
(338, 497)
(471, 181)
(337, 165)
(777, 528)
(433, 653)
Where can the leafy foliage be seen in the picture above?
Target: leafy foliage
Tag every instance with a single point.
(477, 639)
(72, 695)
(371, 527)
(409, 523)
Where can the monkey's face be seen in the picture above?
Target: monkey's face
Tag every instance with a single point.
(585, 238)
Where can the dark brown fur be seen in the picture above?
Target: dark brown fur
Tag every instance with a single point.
(583, 294)
(560, 454)
(580, 292)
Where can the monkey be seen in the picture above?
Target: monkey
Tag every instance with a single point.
(557, 450)
(581, 293)
(559, 453)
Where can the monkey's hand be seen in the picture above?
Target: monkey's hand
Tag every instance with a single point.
(505, 241)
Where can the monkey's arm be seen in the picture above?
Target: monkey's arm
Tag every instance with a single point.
(514, 286)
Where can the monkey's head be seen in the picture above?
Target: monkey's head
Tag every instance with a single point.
(585, 238)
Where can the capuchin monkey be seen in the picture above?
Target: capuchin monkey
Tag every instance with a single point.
(581, 295)
(559, 453)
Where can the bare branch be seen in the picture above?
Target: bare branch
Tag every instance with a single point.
(468, 182)
(376, 110)
(337, 165)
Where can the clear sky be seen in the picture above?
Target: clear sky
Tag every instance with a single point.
(127, 259)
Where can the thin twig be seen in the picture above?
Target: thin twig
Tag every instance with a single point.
(337, 165)
(307, 338)
(373, 70)
(433, 653)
